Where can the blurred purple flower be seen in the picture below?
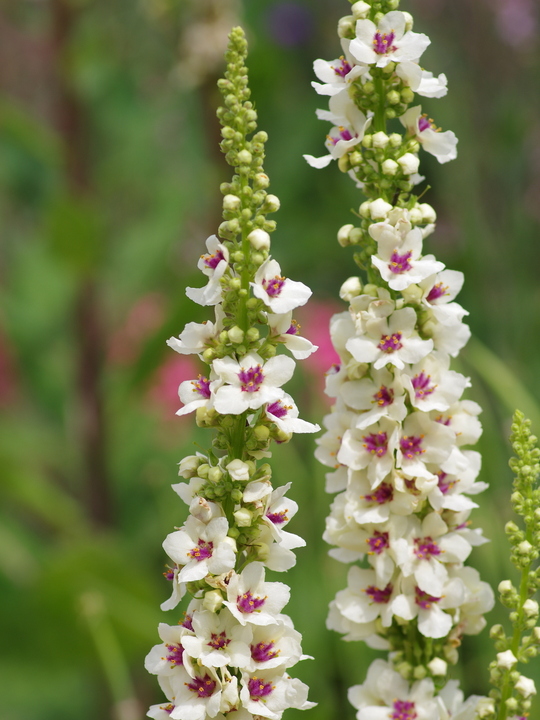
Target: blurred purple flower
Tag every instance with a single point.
(517, 21)
(290, 23)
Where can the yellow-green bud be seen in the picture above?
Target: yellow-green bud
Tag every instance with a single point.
(343, 235)
(231, 202)
(360, 10)
(243, 517)
(344, 164)
(244, 157)
(214, 474)
(212, 601)
(271, 204)
(390, 167)
(346, 26)
(236, 335)
(202, 471)
(262, 432)
(380, 140)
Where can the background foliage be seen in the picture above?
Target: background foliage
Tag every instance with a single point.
(109, 172)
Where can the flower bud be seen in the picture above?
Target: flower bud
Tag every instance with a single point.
(419, 672)
(262, 432)
(231, 202)
(345, 26)
(187, 467)
(350, 289)
(379, 209)
(505, 587)
(390, 167)
(238, 470)
(343, 235)
(428, 213)
(244, 157)
(395, 140)
(363, 210)
(202, 470)
(485, 708)
(261, 181)
(530, 608)
(407, 95)
(231, 542)
(380, 140)
(415, 215)
(409, 163)
(360, 10)
(212, 601)
(367, 140)
(236, 335)
(271, 204)
(409, 21)
(524, 548)
(506, 660)
(393, 97)
(259, 239)
(497, 632)
(215, 474)
(438, 667)
(412, 294)
(243, 517)
(525, 686)
(343, 164)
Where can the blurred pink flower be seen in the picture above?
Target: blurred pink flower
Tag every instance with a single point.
(163, 391)
(145, 316)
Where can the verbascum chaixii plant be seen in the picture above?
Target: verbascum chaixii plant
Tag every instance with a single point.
(230, 654)
(398, 440)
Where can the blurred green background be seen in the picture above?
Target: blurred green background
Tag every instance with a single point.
(109, 174)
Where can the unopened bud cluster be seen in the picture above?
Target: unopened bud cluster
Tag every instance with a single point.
(513, 692)
(232, 650)
(398, 439)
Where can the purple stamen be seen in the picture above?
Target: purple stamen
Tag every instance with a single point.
(278, 409)
(175, 655)
(248, 603)
(202, 551)
(294, 329)
(424, 599)
(437, 291)
(203, 687)
(400, 263)
(422, 385)
(251, 379)
(378, 595)
(403, 710)
(411, 445)
(278, 518)
(345, 134)
(383, 494)
(212, 261)
(343, 69)
(275, 286)
(390, 343)
(169, 575)
(219, 641)
(384, 396)
(378, 543)
(444, 485)
(376, 443)
(168, 708)
(263, 651)
(423, 123)
(444, 420)
(202, 386)
(382, 43)
(187, 622)
(426, 548)
(259, 689)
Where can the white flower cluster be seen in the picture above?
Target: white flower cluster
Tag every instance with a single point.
(398, 435)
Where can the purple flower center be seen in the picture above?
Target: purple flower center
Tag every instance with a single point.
(212, 261)
(343, 69)
(378, 543)
(424, 599)
(175, 654)
(411, 445)
(219, 641)
(403, 710)
(422, 385)
(274, 286)
(169, 575)
(258, 688)
(263, 651)
(251, 379)
(423, 123)
(345, 134)
(382, 43)
(202, 386)
(390, 343)
(381, 597)
(248, 603)
(202, 551)
(444, 484)
(437, 291)
(278, 409)
(383, 494)
(444, 420)
(384, 396)
(376, 443)
(400, 263)
(278, 518)
(187, 622)
(425, 548)
(294, 329)
(167, 708)
(202, 687)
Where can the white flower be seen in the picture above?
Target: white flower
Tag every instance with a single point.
(506, 660)
(166, 658)
(431, 385)
(287, 330)
(421, 81)
(399, 257)
(238, 470)
(363, 601)
(200, 548)
(284, 414)
(422, 441)
(252, 382)
(277, 513)
(195, 336)
(274, 646)
(218, 640)
(449, 491)
(390, 341)
(440, 144)
(337, 423)
(525, 686)
(196, 696)
(387, 42)
(213, 264)
(372, 448)
(280, 294)
(269, 693)
(379, 396)
(376, 506)
(349, 129)
(337, 75)
(439, 292)
(432, 620)
(197, 393)
(252, 600)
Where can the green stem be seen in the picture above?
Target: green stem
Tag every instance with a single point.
(379, 119)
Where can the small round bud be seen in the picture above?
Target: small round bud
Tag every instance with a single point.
(530, 608)
(525, 687)
(390, 167)
(428, 213)
(215, 474)
(252, 334)
(419, 672)
(231, 202)
(438, 667)
(360, 10)
(497, 632)
(380, 140)
(363, 210)
(367, 141)
(236, 335)
(368, 87)
(409, 21)
(415, 215)
(393, 97)
(261, 136)
(451, 654)
(355, 158)
(202, 470)
(343, 235)
(262, 432)
(345, 26)
(259, 239)
(343, 164)
(524, 548)
(395, 140)
(409, 163)
(244, 157)
(505, 587)
(243, 517)
(355, 236)
(212, 601)
(282, 436)
(412, 294)
(379, 209)
(187, 467)
(271, 204)
(506, 660)
(405, 670)
(350, 289)
(261, 181)
(208, 355)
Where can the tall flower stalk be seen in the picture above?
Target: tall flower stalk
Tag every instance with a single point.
(399, 433)
(230, 654)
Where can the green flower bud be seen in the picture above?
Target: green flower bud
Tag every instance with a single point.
(236, 335)
(262, 432)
